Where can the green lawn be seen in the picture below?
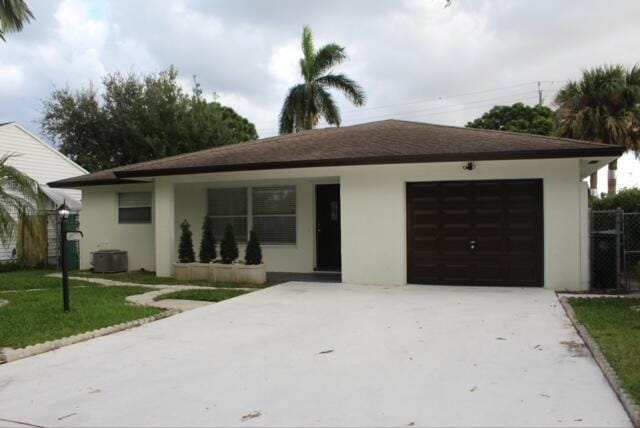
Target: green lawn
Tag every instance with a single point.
(146, 277)
(30, 279)
(615, 324)
(36, 316)
(32, 317)
(206, 294)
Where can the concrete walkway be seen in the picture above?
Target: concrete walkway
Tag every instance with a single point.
(148, 299)
(308, 354)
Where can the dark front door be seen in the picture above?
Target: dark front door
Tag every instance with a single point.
(475, 233)
(328, 227)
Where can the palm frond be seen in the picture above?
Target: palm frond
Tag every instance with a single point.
(327, 107)
(328, 57)
(349, 88)
(13, 15)
(292, 112)
(307, 63)
(18, 194)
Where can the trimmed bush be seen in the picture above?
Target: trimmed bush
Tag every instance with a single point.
(185, 250)
(627, 199)
(253, 253)
(208, 241)
(228, 246)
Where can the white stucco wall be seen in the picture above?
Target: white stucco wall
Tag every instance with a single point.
(99, 224)
(374, 248)
(373, 218)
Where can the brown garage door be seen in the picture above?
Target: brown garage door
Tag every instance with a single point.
(475, 233)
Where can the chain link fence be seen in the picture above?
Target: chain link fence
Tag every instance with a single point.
(615, 250)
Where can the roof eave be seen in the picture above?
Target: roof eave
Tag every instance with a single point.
(380, 160)
(70, 184)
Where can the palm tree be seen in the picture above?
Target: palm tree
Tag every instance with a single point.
(604, 106)
(20, 206)
(307, 102)
(13, 15)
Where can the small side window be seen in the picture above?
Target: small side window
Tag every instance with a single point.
(134, 208)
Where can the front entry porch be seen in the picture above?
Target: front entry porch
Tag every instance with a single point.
(297, 220)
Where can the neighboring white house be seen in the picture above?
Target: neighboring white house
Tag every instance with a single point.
(42, 163)
(389, 203)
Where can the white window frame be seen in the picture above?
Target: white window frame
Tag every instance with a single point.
(250, 215)
(150, 206)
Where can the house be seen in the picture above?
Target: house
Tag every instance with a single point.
(390, 202)
(43, 163)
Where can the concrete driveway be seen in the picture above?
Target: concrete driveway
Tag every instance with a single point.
(327, 355)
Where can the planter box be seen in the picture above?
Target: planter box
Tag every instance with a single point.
(251, 274)
(201, 272)
(223, 273)
(182, 271)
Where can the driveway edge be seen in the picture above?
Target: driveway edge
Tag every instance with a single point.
(629, 404)
(8, 355)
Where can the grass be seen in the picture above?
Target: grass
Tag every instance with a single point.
(205, 294)
(614, 323)
(150, 278)
(36, 316)
(32, 279)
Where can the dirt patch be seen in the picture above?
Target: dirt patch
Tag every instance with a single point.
(577, 349)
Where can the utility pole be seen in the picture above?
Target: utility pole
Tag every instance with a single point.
(539, 94)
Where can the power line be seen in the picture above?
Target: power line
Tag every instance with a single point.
(424, 112)
(475, 103)
(444, 97)
(500, 98)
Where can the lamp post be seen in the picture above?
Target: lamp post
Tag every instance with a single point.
(63, 213)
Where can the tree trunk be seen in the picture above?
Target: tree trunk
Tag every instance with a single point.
(612, 182)
(593, 184)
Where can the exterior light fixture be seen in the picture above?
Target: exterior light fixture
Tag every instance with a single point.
(63, 213)
(469, 166)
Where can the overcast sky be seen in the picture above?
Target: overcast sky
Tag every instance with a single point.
(416, 59)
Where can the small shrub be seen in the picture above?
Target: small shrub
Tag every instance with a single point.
(253, 253)
(228, 246)
(185, 251)
(208, 241)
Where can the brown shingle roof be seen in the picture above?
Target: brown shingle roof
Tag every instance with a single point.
(389, 141)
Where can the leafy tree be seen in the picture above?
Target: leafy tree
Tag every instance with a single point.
(228, 246)
(185, 250)
(253, 252)
(518, 117)
(13, 15)
(208, 241)
(20, 206)
(307, 102)
(603, 106)
(138, 118)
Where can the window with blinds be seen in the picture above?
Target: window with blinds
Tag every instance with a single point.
(228, 206)
(270, 211)
(134, 208)
(274, 214)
